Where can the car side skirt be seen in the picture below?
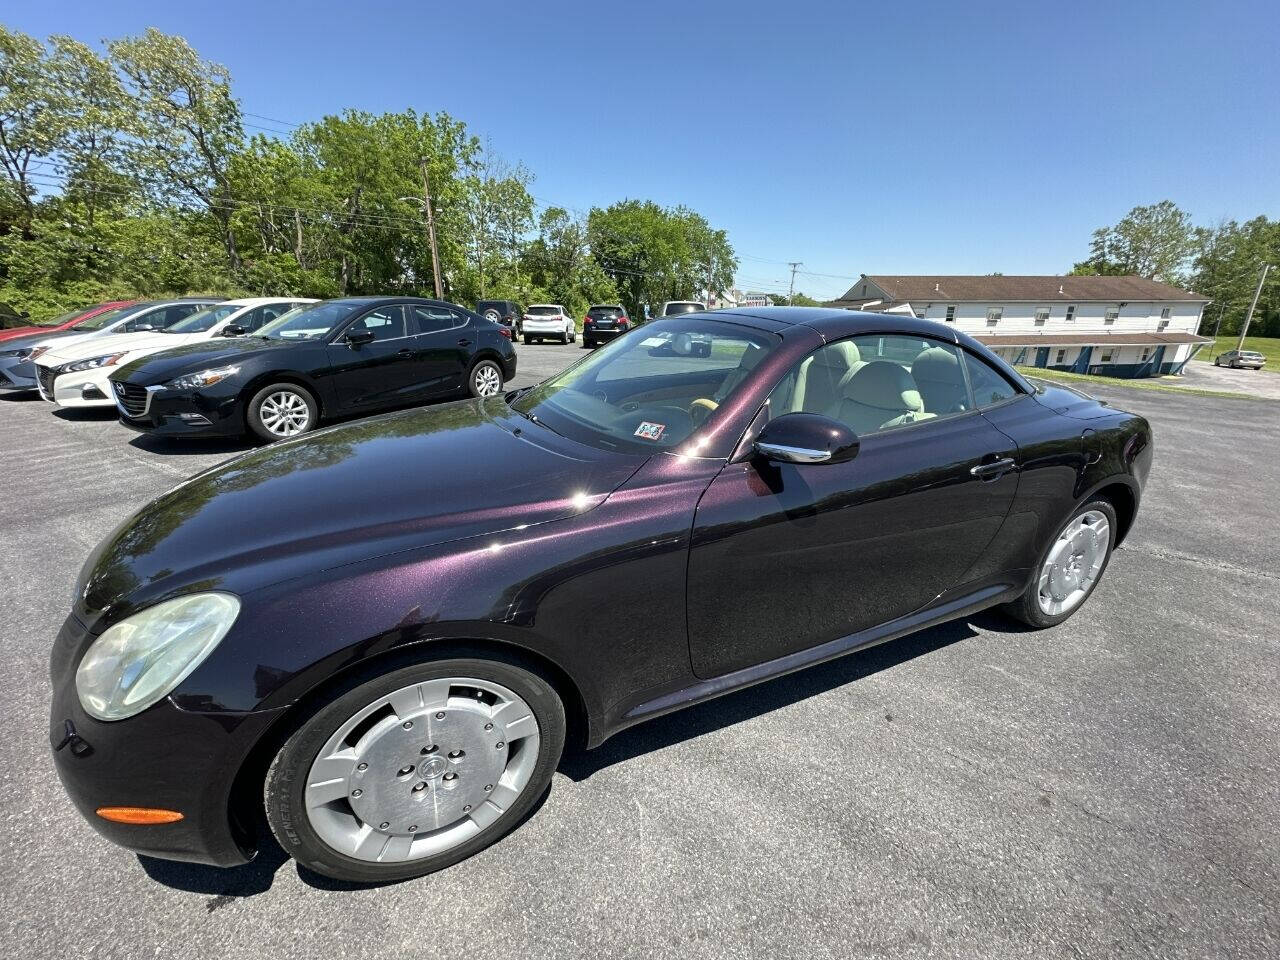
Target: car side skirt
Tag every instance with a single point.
(947, 607)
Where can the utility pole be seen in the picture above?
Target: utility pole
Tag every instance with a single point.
(791, 291)
(431, 230)
(1249, 316)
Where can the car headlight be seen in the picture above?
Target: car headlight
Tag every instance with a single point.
(23, 352)
(205, 378)
(93, 363)
(137, 661)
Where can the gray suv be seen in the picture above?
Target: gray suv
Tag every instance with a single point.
(1240, 358)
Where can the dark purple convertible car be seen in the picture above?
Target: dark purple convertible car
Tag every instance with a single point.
(381, 635)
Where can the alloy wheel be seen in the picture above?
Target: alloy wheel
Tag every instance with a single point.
(284, 413)
(421, 770)
(488, 380)
(1074, 562)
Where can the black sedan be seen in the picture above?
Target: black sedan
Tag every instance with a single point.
(332, 359)
(381, 637)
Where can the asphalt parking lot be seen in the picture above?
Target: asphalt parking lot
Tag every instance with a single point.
(1108, 788)
(1205, 376)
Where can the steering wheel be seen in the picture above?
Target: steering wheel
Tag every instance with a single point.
(701, 408)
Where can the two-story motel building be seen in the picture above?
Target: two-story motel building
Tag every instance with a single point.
(1116, 326)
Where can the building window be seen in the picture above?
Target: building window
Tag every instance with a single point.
(951, 314)
(1107, 353)
(1042, 316)
(1146, 352)
(993, 315)
(1111, 315)
(1061, 357)
(1071, 313)
(1160, 327)
(1164, 313)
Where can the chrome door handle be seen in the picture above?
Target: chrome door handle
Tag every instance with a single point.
(404, 352)
(464, 342)
(990, 471)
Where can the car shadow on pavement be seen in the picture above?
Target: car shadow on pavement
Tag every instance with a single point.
(766, 697)
(178, 447)
(85, 414)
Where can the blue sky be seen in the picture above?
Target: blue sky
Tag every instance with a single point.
(940, 137)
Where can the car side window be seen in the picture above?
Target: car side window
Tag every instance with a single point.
(876, 382)
(989, 387)
(262, 315)
(432, 319)
(385, 323)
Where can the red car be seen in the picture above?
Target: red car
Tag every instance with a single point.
(64, 322)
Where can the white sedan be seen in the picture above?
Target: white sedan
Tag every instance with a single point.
(78, 374)
(547, 321)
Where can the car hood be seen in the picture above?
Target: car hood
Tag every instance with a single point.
(118, 343)
(34, 339)
(349, 493)
(188, 358)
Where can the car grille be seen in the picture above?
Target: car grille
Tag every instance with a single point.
(44, 378)
(4, 381)
(131, 398)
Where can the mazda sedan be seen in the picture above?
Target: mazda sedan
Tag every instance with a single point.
(380, 637)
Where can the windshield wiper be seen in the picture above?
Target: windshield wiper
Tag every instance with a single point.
(533, 418)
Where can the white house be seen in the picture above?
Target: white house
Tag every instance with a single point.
(1117, 326)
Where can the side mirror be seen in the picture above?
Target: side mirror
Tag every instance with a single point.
(807, 438)
(357, 337)
(233, 330)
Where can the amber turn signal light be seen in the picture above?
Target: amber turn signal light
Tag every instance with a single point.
(142, 815)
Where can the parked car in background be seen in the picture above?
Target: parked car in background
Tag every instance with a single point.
(1240, 359)
(81, 370)
(674, 308)
(548, 321)
(505, 312)
(382, 636)
(11, 318)
(65, 321)
(92, 345)
(335, 358)
(604, 322)
(18, 371)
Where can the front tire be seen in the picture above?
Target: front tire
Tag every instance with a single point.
(1069, 568)
(282, 410)
(485, 379)
(409, 772)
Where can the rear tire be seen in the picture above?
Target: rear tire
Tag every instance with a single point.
(1039, 606)
(527, 339)
(485, 379)
(588, 344)
(282, 410)
(358, 835)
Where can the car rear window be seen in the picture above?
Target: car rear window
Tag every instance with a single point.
(677, 308)
(605, 312)
(544, 311)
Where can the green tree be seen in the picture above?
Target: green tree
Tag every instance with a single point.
(1155, 241)
(655, 254)
(1227, 267)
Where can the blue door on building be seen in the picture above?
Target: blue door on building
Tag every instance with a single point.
(1042, 356)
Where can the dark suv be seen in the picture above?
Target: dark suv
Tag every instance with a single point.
(604, 322)
(505, 312)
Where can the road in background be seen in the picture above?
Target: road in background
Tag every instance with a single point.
(1107, 788)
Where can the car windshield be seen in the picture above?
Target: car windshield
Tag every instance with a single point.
(203, 320)
(642, 394)
(311, 322)
(56, 321)
(544, 311)
(674, 309)
(103, 320)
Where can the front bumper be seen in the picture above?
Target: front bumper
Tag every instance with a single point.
(185, 413)
(83, 388)
(163, 757)
(20, 375)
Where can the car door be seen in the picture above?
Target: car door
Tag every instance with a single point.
(442, 348)
(787, 556)
(379, 372)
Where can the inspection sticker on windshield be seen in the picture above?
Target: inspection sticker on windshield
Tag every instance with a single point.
(650, 431)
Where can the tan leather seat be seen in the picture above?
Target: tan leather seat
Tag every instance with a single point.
(880, 394)
(940, 380)
(823, 375)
